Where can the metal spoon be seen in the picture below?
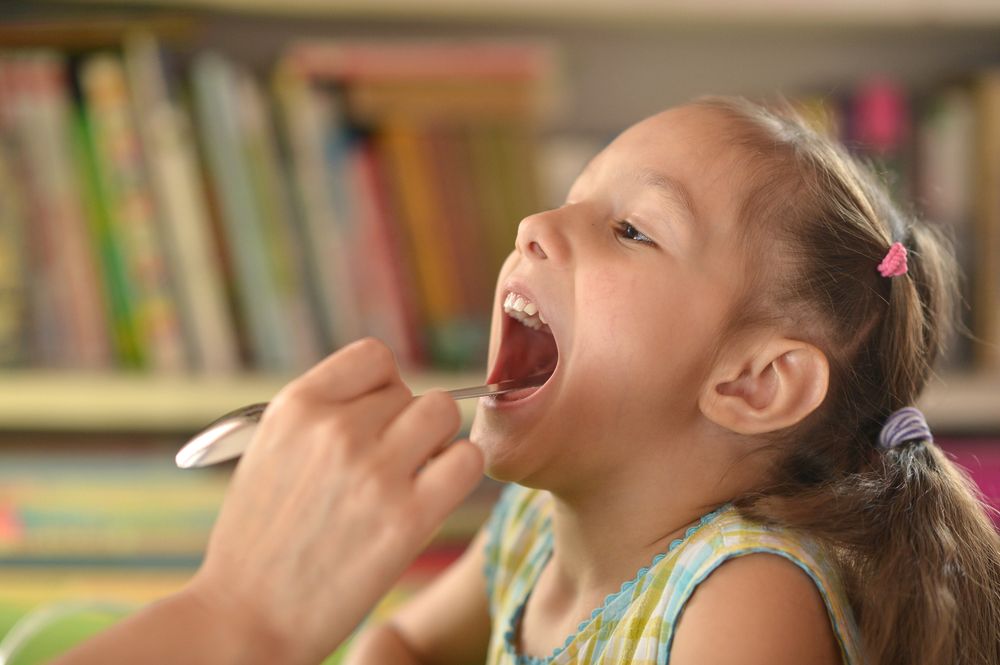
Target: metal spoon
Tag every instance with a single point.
(227, 437)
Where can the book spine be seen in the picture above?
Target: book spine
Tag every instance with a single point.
(313, 128)
(68, 328)
(986, 304)
(124, 331)
(389, 299)
(131, 212)
(946, 181)
(76, 255)
(186, 228)
(215, 101)
(14, 350)
(400, 143)
(285, 251)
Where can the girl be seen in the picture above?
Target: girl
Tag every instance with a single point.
(722, 462)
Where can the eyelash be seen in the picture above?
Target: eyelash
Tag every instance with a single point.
(628, 231)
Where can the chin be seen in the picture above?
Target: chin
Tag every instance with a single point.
(529, 457)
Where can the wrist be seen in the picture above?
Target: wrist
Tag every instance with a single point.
(239, 632)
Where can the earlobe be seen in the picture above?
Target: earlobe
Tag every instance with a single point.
(779, 386)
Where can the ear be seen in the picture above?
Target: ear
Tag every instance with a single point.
(772, 388)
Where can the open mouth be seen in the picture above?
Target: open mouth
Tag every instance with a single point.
(527, 347)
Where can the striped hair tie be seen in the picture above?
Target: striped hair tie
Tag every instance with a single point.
(906, 424)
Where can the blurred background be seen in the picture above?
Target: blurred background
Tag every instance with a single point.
(201, 198)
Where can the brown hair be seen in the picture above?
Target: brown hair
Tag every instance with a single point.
(918, 553)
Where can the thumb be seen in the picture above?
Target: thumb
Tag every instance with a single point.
(446, 480)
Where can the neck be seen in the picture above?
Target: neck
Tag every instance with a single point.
(616, 524)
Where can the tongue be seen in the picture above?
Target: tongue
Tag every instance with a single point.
(515, 395)
(534, 353)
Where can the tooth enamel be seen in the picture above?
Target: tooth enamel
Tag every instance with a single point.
(520, 308)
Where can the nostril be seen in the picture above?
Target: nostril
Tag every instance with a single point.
(537, 250)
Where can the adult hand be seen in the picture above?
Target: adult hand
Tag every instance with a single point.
(344, 483)
(347, 479)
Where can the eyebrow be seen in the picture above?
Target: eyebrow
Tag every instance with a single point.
(669, 187)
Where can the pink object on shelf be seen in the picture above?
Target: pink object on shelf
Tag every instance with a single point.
(881, 115)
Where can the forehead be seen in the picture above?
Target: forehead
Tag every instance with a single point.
(683, 143)
(684, 147)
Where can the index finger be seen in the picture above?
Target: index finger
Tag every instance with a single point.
(355, 370)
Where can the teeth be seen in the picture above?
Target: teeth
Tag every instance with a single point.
(525, 311)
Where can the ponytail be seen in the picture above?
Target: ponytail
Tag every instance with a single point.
(917, 551)
(931, 569)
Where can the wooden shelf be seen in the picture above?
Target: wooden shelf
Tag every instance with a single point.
(888, 13)
(56, 402)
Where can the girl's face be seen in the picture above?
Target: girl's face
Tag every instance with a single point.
(634, 276)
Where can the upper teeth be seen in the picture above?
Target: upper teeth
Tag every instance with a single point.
(523, 310)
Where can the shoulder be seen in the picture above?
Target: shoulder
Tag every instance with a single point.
(756, 608)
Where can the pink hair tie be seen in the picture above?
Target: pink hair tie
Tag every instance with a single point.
(894, 263)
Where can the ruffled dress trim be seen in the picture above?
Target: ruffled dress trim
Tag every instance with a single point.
(512, 625)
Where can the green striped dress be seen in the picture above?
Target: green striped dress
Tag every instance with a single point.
(636, 625)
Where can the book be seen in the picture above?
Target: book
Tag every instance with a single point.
(986, 278)
(65, 314)
(394, 60)
(131, 214)
(946, 188)
(245, 237)
(319, 145)
(13, 264)
(188, 243)
(423, 106)
(285, 246)
(388, 295)
(399, 145)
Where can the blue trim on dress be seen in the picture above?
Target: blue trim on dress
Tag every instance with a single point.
(626, 587)
(664, 655)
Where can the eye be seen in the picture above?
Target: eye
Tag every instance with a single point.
(627, 231)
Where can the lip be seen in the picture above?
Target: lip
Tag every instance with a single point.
(507, 321)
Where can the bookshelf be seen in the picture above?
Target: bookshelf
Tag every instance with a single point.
(615, 62)
(116, 404)
(60, 402)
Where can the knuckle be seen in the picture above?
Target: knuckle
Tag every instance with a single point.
(337, 429)
(291, 401)
(376, 351)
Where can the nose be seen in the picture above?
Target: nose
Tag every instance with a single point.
(540, 238)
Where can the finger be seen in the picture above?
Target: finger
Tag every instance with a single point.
(446, 480)
(422, 428)
(371, 413)
(356, 369)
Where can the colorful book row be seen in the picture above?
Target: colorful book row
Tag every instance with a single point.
(178, 216)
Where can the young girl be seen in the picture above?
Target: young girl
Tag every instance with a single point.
(723, 466)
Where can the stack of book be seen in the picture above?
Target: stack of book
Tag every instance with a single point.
(189, 217)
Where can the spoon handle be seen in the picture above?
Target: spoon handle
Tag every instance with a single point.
(227, 437)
